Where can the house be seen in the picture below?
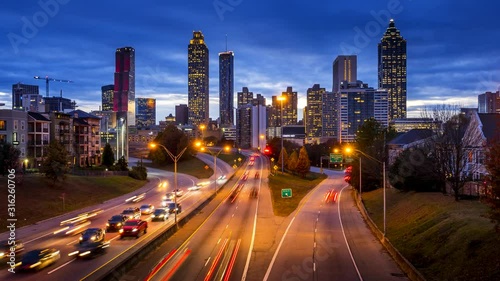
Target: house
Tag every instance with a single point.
(412, 138)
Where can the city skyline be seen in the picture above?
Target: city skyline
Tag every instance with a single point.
(273, 52)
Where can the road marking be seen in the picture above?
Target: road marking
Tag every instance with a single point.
(72, 242)
(59, 267)
(268, 272)
(218, 241)
(232, 215)
(345, 238)
(207, 261)
(50, 233)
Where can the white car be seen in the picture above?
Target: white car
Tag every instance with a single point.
(178, 192)
(194, 187)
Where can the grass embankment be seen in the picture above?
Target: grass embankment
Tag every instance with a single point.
(37, 200)
(443, 239)
(300, 187)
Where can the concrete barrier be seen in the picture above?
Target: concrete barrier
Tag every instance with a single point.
(410, 271)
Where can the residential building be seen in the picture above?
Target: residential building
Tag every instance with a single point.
(107, 97)
(87, 140)
(226, 88)
(345, 68)
(38, 138)
(244, 97)
(60, 130)
(392, 70)
(198, 80)
(406, 140)
(407, 124)
(14, 129)
(314, 113)
(489, 102)
(145, 113)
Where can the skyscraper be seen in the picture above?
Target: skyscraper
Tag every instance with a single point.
(345, 68)
(314, 113)
(107, 97)
(145, 113)
(392, 70)
(124, 92)
(226, 88)
(181, 114)
(198, 74)
(18, 90)
(244, 97)
(289, 107)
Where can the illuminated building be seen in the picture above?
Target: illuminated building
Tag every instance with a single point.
(145, 113)
(22, 95)
(198, 86)
(107, 97)
(226, 88)
(345, 68)
(181, 114)
(489, 102)
(314, 114)
(392, 70)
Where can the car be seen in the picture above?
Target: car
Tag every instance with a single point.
(116, 222)
(164, 203)
(146, 209)
(38, 259)
(169, 196)
(90, 249)
(136, 198)
(134, 228)
(178, 192)
(172, 208)
(132, 213)
(10, 246)
(160, 214)
(194, 187)
(92, 235)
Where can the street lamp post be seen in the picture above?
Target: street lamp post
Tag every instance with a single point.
(175, 158)
(215, 161)
(281, 99)
(383, 179)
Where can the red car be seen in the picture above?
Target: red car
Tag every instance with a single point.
(134, 228)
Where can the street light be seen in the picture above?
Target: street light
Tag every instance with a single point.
(202, 148)
(175, 159)
(202, 127)
(281, 99)
(348, 150)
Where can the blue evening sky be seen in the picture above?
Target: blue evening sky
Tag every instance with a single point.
(453, 46)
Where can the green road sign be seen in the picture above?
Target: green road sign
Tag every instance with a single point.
(335, 158)
(286, 193)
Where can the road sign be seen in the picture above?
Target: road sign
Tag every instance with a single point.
(335, 158)
(286, 193)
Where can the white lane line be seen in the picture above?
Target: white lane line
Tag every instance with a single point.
(59, 267)
(345, 238)
(207, 261)
(34, 239)
(268, 272)
(218, 241)
(72, 242)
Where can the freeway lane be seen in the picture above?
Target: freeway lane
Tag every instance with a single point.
(220, 246)
(67, 268)
(330, 241)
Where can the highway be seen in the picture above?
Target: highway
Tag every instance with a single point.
(218, 249)
(68, 268)
(330, 241)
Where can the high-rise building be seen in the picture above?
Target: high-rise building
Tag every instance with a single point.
(181, 114)
(345, 68)
(314, 112)
(289, 107)
(58, 104)
(124, 97)
(489, 102)
(226, 88)
(107, 97)
(392, 70)
(145, 113)
(244, 97)
(330, 115)
(20, 92)
(358, 102)
(198, 78)
(124, 92)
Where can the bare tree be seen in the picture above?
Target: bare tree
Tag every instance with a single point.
(451, 145)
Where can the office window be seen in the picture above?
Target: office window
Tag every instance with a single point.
(3, 125)
(22, 125)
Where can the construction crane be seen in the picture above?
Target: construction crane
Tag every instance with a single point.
(47, 79)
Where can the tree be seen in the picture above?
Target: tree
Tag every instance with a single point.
(175, 141)
(492, 163)
(122, 164)
(449, 146)
(55, 162)
(9, 157)
(108, 157)
(303, 163)
(283, 156)
(291, 164)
